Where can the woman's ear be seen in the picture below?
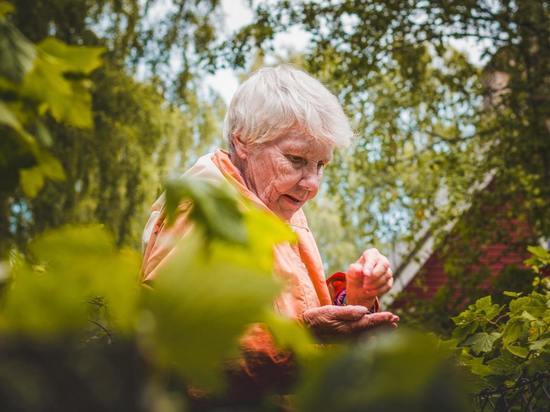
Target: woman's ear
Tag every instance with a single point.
(241, 149)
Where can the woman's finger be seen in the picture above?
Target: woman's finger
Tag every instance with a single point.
(371, 282)
(368, 259)
(354, 278)
(381, 267)
(374, 319)
(348, 313)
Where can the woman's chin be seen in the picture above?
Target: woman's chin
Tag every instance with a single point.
(286, 208)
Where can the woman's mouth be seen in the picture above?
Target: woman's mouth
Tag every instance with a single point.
(293, 200)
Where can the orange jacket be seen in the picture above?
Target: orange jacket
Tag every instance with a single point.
(299, 265)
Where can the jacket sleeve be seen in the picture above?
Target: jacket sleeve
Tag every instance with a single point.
(162, 239)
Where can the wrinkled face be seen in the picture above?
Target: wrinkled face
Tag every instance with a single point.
(285, 172)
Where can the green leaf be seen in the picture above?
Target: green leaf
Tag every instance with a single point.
(17, 54)
(362, 377)
(475, 364)
(8, 118)
(512, 294)
(215, 208)
(484, 302)
(32, 179)
(505, 364)
(75, 264)
(289, 334)
(519, 351)
(513, 331)
(6, 8)
(74, 59)
(482, 342)
(68, 101)
(526, 315)
(214, 289)
(539, 252)
(534, 304)
(539, 345)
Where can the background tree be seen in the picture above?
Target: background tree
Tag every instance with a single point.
(433, 128)
(141, 129)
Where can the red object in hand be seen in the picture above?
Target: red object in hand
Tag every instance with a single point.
(336, 284)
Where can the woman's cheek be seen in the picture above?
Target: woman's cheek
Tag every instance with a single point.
(287, 178)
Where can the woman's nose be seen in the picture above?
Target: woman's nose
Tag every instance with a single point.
(310, 180)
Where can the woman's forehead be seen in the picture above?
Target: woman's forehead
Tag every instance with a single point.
(304, 143)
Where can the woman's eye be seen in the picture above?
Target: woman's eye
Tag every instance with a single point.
(296, 160)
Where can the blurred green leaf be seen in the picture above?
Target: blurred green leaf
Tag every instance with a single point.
(5, 8)
(46, 83)
(289, 334)
(17, 54)
(216, 287)
(215, 208)
(32, 179)
(73, 265)
(8, 118)
(73, 59)
(201, 305)
(540, 344)
(371, 376)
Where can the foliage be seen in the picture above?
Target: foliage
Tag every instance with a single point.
(378, 375)
(168, 41)
(77, 331)
(63, 276)
(508, 346)
(113, 172)
(37, 82)
(214, 207)
(188, 325)
(47, 300)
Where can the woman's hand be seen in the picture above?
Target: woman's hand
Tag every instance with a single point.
(369, 277)
(344, 321)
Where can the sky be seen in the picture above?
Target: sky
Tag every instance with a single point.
(237, 15)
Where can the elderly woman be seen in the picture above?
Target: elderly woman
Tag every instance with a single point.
(282, 127)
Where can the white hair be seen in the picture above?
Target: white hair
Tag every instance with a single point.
(276, 99)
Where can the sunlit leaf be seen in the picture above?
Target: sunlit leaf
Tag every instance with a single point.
(5, 8)
(288, 334)
(75, 59)
(201, 305)
(74, 265)
(32, 179)
(8, 118)
(215, 208)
